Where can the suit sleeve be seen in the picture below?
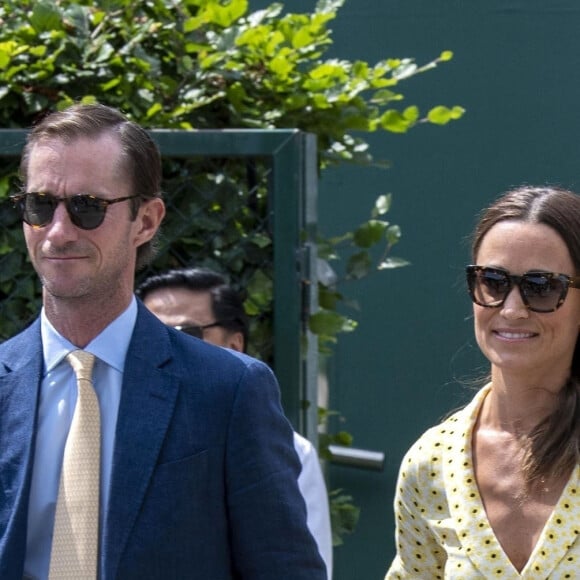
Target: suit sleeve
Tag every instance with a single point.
(270, 538)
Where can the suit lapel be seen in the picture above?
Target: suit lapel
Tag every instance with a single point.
(147, 402)
(20, 376)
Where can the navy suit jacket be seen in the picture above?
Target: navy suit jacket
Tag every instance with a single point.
(204, 475)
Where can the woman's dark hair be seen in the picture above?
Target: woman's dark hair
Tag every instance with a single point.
(141, 157)
(553, 446)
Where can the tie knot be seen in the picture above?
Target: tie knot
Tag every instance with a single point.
(82, 363)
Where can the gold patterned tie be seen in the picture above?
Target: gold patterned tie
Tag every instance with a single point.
(75, 541)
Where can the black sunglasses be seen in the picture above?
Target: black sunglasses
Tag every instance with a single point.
(86, 211)
(197, 330)
(540, 291)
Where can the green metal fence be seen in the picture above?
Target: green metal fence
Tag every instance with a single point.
(263, 181)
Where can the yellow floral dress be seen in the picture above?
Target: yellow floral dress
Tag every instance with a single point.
(442, 528)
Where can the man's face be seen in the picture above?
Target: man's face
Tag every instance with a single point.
(184, 307)
(96, 265)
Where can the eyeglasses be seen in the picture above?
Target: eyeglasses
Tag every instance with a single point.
(540, 291)
(85, 211)
(197, 330)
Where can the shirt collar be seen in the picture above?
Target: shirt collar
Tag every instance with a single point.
(110, 345)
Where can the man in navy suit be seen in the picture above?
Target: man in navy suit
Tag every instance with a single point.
(198, 472)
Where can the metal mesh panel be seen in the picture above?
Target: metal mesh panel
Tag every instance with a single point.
(219, 216)
(19, 288)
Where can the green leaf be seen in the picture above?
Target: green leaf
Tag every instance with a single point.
(302, 38)
(343, 438)
(395, 122)
(329, 70)
(153, 110)
(358, 265)
(369, 233)
(327, 298)
(328, 323)
(77, 18)
(392, 262)
(226, 15)
(46, 16)
(411, 113)
(405, 69)
(393, 234)
(344, 515)
(38, 51)
(385, 96)
(260, 289)
(328, 5)
(111, 84)
(6, 50)
(382, 205)
(281, 65)
(261, 240)
(442, 115)
(193, 23)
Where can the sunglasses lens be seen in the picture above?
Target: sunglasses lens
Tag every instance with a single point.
(543, 292)
(37, 209)
(86, 211)
(540, 291)
(488, 287)
(196, 331)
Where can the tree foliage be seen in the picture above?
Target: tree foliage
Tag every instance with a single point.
(195, 64)
(202, 64)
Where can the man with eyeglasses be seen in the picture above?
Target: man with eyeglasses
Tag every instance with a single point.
(199, 302)
(195, 471)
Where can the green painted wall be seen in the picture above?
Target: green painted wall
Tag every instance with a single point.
(516, 71)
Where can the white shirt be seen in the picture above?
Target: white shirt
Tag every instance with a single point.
(313, 489)
(58, 393)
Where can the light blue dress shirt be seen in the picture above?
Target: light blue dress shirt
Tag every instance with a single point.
(58, 394)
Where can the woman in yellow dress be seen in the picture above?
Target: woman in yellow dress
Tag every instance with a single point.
(494, 490)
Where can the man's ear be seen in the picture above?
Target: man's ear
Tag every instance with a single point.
(235, 341)
(150, 216)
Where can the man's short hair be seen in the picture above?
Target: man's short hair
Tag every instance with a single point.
(226, 303)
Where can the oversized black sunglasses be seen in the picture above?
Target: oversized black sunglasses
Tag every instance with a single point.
(197, 330)
(540, 291)
(86, 211)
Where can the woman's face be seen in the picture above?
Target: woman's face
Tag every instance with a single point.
(514, 338)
